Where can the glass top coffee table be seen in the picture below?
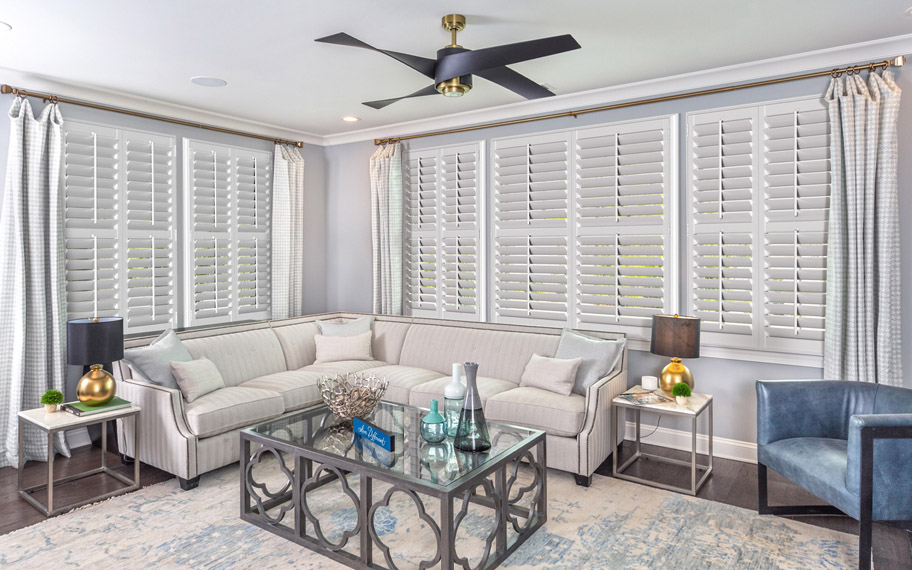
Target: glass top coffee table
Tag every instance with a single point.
(288, 459)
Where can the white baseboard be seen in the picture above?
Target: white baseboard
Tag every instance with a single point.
(678, 439)
(78, 437)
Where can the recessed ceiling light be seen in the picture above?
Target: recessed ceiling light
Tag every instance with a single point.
(4, 27)
(205, 81)
(909, 12)
(350, 119)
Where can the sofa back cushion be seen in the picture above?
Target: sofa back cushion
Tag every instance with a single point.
(240, 356)
(499, 354)
(298, 344)
(388, 340)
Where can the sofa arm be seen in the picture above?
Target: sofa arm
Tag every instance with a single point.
(594, 444)
(891, 462)
(165, 440)
(818, 408)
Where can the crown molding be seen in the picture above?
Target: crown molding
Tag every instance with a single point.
(34, 82)
(751, 71)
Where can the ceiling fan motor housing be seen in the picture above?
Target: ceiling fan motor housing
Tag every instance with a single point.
(454, 86)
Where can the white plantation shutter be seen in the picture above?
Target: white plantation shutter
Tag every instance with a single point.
(228, 203)
(420, 219)
(148, 251)
(532, 244)
(443, 261)
(460, 232)
(92, 206)
(722, 178)
(624, 211)
(796, 186)
(759, 200)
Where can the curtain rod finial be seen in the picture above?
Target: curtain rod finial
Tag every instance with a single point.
(6, 89)
(898, 61)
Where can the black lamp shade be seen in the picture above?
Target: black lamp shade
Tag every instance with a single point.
(675, 336)
(94, 341)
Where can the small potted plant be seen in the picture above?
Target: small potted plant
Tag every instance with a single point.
(681, 392)
(52, 399)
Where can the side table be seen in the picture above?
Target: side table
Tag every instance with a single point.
(696, 405)
(60, 421)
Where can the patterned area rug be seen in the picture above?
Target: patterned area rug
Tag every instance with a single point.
(612, 524)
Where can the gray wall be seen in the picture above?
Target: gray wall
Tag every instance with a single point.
(315, 184)
(730, 381)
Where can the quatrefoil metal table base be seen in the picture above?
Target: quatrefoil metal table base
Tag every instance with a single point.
(496, 487)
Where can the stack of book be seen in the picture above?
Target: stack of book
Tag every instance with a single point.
(81, 409)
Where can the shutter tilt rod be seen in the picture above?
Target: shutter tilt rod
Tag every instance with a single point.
(897, 61)
(9, 89)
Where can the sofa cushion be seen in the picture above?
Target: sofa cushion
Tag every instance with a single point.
(539, 409)
(343, 366)
(298, 344)
(197, 378)
(599, 357)
(231, 408)
(422, 394)
(817, 464)
(388, 339)
(154, 361)
(500, 354)
(240, 356)
(401, 380)
(552, 374)
(299, 388)
(336, 348)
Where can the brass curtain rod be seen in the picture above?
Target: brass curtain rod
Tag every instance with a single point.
(897, 61)
(9, 89)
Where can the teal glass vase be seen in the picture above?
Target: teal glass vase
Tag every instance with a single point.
(472, 432)
(433, 426)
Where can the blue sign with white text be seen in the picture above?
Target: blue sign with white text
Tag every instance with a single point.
(373, 434)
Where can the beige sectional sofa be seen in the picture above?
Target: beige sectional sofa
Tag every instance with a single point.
(268, 368)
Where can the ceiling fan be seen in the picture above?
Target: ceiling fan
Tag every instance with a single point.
(453, 69)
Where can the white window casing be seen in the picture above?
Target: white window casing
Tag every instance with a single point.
(444, 255)
(227, 253)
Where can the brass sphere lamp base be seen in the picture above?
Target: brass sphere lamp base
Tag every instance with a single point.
(96, 387)
(674, 373)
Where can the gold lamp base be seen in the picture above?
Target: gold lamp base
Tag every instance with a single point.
(673, 373)
(97, 387)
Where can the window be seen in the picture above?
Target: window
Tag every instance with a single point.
(443, 257)
(120, 229)
(227, 250)
(119, 225)
(584, 227)
(758, 191)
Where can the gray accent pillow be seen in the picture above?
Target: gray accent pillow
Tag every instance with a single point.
(349, 328)
(154, 361)
(600, 357)
(197, 378)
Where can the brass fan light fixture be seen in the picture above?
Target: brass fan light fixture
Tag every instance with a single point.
(455, 65)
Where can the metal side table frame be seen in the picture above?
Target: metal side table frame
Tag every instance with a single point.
(697, 405)
(65, 421)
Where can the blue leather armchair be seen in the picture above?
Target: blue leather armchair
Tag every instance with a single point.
(848, 443)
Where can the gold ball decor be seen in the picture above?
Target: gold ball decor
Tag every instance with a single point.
(352, 395)
(97, 387)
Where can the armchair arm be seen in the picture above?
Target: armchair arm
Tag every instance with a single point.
(888, 439)
(817, 408)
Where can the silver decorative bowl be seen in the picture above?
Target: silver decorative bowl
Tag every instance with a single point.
(352, 395)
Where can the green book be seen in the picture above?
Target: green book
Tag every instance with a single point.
(82, 409)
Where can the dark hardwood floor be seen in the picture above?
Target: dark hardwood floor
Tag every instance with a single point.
(732, 482)
(735, 483)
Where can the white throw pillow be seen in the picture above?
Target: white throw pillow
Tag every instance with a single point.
(552, 374)
(197, 378)
(335, 348)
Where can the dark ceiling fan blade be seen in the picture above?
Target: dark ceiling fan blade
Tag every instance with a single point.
(429, 90)
(420, 64)
(515, 82)
(472, 62)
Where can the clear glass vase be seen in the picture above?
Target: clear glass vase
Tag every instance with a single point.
(472, 432)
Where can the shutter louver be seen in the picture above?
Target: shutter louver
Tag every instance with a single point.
(421, 275)
(92, 202)
(420, 265)
(252, 191)
(532, 246)
(460, 232)
(796, 186)
(460, 276)
(723, 281)
(622, 235)
(723, 168)
(211, 292)
(149, 246)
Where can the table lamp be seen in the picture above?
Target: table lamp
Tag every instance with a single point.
(677, 337)
(95, 342)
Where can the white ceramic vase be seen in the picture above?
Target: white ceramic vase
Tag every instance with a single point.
(681, 400)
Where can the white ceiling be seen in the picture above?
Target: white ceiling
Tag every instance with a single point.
(278, 75)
